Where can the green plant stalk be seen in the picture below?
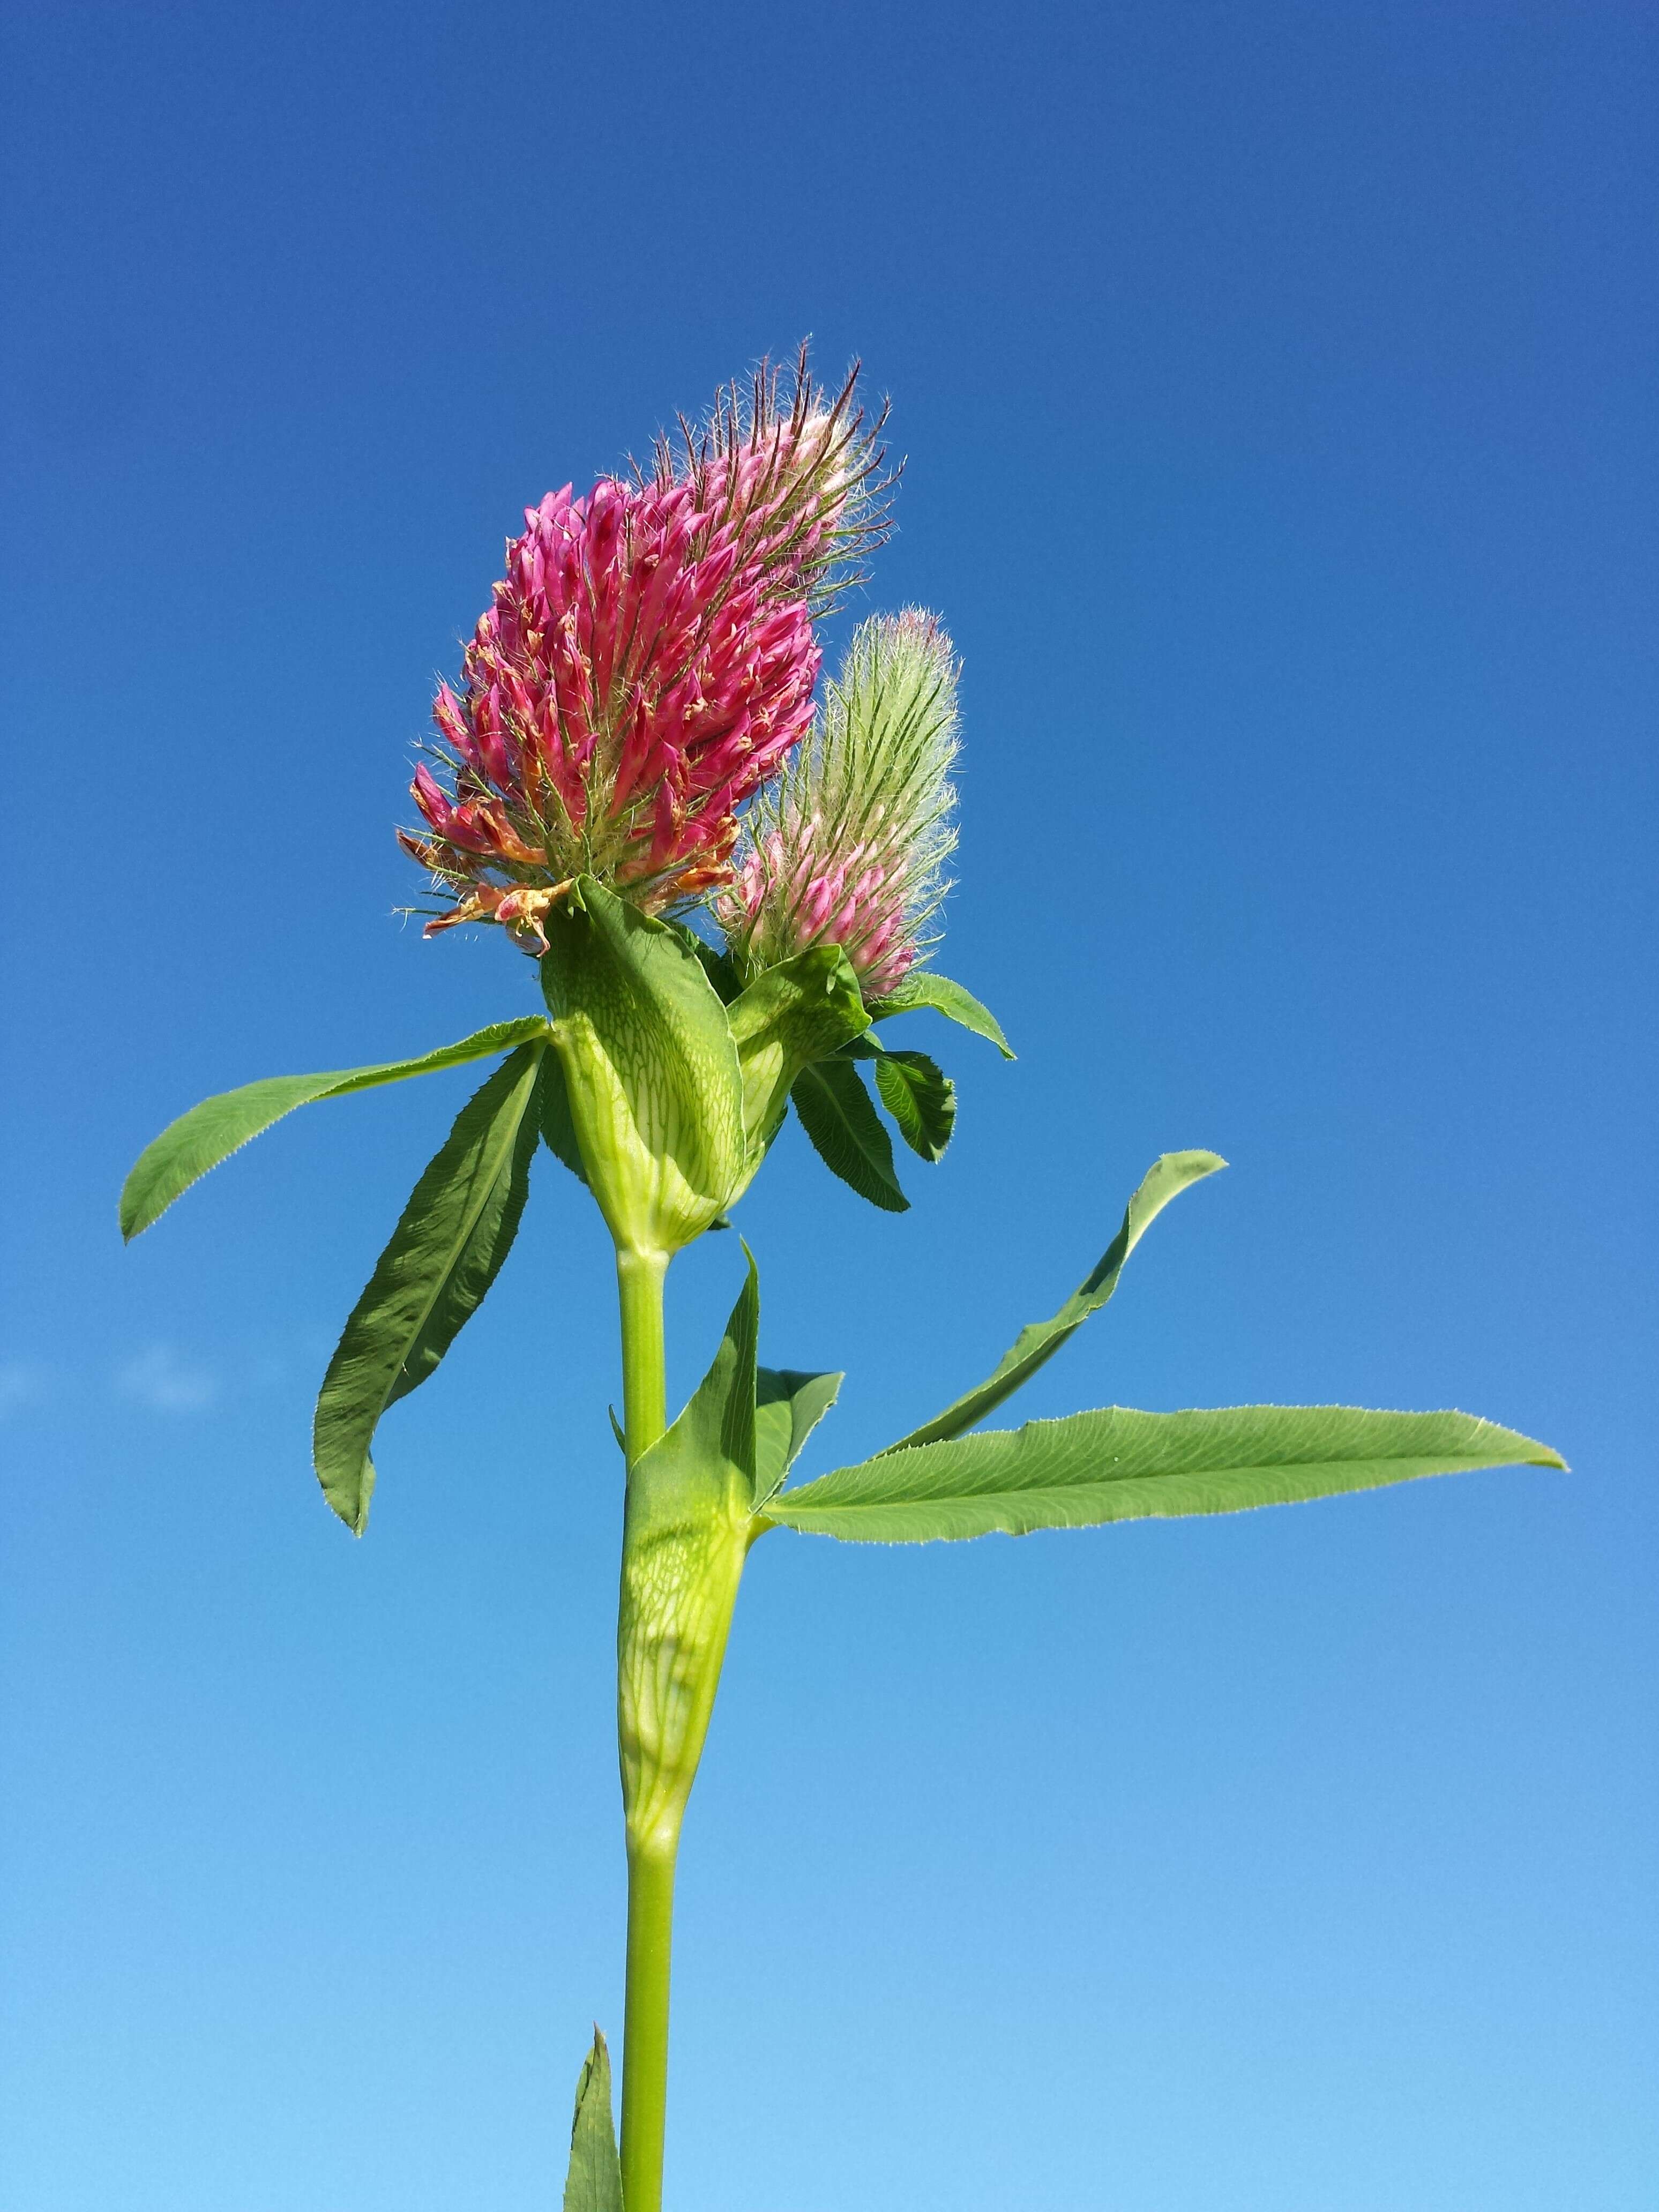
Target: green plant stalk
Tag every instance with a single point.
(645, 1385)
(644, 2031)
(683, 1547)
(640, 1278)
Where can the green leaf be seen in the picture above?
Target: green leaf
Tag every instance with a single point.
(709, 1454)
(688, 1523)
(553, 1116)
(921, 1097)
(799, 1011)
(594, 2182)
(209, 1132)
(1119, 1465)
(788, 1406)
(444, 1253)
(925, 988)
(717, 962)
(651, 1076)
(1166, 1178)
(838, 1114)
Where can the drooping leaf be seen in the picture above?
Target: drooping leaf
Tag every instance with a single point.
(553, 1116)
(799, 1011)
(209, 1132)
(839, 1116)
(444, 1253)
(925, 988)
(1166, 1178)
(788, 1406)
(651, 1076)
(1120, 1465)
(921, 1097)
(594, 2181)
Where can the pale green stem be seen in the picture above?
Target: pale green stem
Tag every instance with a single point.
(645, 1388)
(645, 2033)
(650, 1870)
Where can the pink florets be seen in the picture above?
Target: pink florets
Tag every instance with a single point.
(849, 848)
(646, 664)
(848, 899)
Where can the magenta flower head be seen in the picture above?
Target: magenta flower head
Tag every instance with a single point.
(849, 848)
(647, 662)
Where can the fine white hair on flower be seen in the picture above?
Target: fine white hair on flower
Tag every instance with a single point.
(849, 846)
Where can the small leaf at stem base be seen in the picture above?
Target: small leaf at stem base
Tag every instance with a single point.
(594, 2181)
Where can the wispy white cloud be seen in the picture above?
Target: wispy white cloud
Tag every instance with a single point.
(166, 1381)
(23, 1382)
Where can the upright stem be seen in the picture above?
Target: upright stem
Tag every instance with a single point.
(645, 2034)
(650, 1863)
(645, 1388)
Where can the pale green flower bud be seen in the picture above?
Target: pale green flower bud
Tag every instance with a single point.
(849, 848)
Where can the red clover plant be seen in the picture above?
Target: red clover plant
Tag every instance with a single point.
(729, 891)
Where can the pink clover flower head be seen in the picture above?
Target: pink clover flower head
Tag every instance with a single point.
(648, 660)
(849, 847)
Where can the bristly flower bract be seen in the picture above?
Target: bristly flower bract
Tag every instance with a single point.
(648, 660)
(849, 847)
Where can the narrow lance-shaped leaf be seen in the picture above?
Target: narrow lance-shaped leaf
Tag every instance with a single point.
(923, 988)
(444, 1253)
(209, 1132)
(788, 1406)
(594, 2181)
(1166, 1178)
(1120, 1465)
(838, 1114)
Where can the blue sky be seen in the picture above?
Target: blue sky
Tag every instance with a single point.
(1277, 386)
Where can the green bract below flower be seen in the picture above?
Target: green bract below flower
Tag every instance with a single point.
(660, 1072)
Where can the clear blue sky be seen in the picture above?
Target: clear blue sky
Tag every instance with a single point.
(1278, 385)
